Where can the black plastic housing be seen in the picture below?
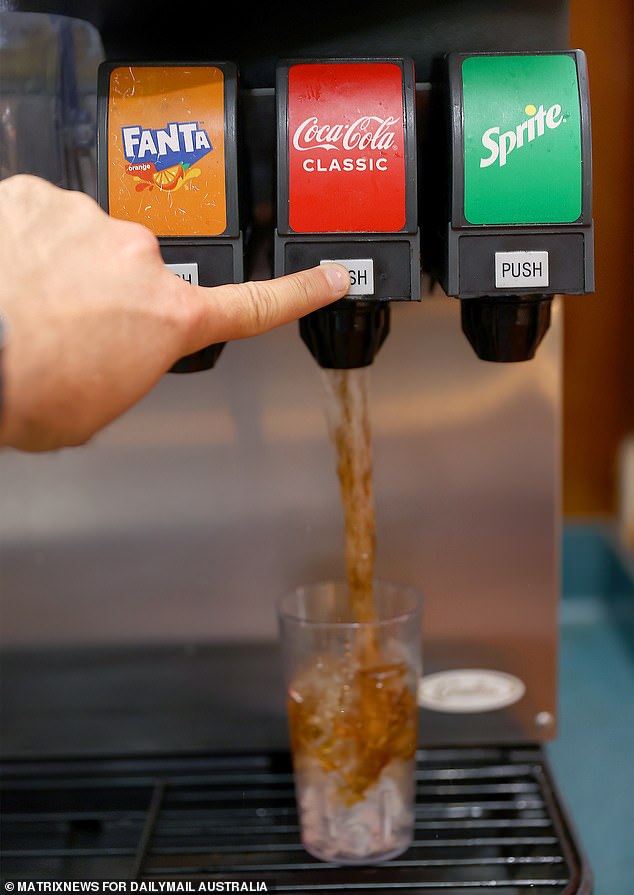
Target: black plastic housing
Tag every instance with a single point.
(218, 259)
(502, 323)
(349, 333)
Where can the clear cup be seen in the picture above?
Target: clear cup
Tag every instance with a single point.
(353, 718)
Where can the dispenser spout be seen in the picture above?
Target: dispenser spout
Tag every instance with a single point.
(506, 330)
(347, 334)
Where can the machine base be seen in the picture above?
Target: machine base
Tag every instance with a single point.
(485, 817)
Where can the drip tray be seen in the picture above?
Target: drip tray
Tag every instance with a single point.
(485, 818)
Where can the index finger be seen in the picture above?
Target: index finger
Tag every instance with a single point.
(237, 311)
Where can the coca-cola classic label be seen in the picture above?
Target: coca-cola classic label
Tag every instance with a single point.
(346, 145)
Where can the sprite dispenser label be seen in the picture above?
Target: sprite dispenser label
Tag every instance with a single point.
(522, 139)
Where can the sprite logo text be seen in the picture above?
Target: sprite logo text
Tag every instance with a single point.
(166, 144)
(501, 145)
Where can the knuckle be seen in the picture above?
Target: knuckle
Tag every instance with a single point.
(82, 202)
(300, 287)
(260, 303)
(22, 182)
(18, 189)
(137, 239)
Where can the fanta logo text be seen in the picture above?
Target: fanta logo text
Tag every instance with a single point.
(500, 146)
(146, 144)
(367, 132)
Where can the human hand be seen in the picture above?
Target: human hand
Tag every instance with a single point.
(93, 318)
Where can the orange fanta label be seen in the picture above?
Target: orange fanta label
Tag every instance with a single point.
(166, 149)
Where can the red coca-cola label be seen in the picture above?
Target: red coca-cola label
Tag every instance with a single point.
(346, 147)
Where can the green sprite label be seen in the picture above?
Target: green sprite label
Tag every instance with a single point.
(522, 140)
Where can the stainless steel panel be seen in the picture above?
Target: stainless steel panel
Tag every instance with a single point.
(184, 520)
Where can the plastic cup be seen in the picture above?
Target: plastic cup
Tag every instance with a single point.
(353, 718)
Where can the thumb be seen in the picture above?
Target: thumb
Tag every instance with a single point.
(236, 311)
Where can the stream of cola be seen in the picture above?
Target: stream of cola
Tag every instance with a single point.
(349, 426)
(354, 715)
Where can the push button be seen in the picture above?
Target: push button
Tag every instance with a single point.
(361, 272)
(521, 269)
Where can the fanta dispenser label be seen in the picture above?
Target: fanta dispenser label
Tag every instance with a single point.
(166, 149)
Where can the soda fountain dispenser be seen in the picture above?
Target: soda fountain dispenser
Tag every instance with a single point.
(512, 223)
(167, 158)
(347, 192)
(187, 766)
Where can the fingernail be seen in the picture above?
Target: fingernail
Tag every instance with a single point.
(338, 277)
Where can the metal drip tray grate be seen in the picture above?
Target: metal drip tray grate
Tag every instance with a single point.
(485, 818)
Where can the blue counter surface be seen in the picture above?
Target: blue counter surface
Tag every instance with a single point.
(593, 754)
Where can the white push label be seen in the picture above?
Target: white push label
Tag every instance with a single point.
(521, 269)
(187, 272)
(361, 272)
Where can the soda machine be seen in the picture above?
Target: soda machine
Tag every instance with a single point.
(443, 155)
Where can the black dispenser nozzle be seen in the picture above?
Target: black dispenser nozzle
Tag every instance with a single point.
(205, 359)
(346, 334)
(506, 330)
